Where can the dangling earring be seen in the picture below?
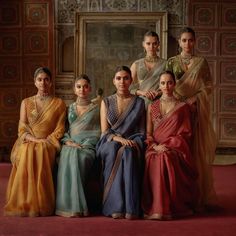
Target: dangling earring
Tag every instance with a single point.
(179, 49)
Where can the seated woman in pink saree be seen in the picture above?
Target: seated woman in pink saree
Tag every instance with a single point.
(170, 187)
(30, 189)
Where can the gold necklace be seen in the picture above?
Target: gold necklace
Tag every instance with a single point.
(82, 102)
(186, 59)
(168, 99)
(151, 59)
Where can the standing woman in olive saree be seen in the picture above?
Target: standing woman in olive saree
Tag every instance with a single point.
(78, 152)
(121, 148)
(194, 84)
(30, 190)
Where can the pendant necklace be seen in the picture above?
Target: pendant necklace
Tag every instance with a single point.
(186, 59)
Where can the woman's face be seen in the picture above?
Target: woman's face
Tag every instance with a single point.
(167, 84)
(186, 42)
(122, 81)
(82, 88)
(43, 82)
(151, 45)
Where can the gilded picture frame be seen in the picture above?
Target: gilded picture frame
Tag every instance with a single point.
(104, 41)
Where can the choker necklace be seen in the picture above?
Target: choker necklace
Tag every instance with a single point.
(168, 99)
(127, 95)
(82, 102)
(151, 58)
(186, 59)
(43, 97)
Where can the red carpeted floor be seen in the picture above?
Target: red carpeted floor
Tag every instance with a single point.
(220, 223)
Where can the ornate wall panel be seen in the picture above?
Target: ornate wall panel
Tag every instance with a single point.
(26, 42)
(10, 100)
(228, 130)
(8, 129)
(10, 42)
(228, 72)
(228, 44)
(10, 70)
(228, 14)
(10, 14)
(228, 101)
(206, 43)
(36, 42)
(36, 14)
(204, 15)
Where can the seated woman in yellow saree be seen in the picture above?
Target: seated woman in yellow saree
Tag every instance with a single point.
(30, 189)
(194, 84)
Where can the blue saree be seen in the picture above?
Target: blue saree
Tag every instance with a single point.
(75, 163)
(122, 165)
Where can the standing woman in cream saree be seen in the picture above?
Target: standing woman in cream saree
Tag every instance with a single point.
(121, 148)
(146, 71)
(30, 189)
(78, 152)
(194, 84)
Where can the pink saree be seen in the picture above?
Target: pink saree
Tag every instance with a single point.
(170, 188)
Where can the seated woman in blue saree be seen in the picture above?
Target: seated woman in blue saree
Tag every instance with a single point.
(121, 148)
(78, 152)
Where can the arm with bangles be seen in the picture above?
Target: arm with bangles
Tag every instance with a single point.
(150, 94)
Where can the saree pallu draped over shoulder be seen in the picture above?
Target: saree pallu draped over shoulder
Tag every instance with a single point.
(148, 79)
(197, 81)
(169, 186)
(75, 163)
(122, 165)
(30, 190)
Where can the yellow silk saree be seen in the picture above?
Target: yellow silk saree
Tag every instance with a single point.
(30, 189)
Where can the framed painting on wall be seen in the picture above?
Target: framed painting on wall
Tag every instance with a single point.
(104, 41)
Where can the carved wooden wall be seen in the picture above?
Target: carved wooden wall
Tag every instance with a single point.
(215, 26)
(26, 42)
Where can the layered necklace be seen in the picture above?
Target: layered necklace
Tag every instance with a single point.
(151, 59)
(186, 59)
(82, 102)
(168, 99)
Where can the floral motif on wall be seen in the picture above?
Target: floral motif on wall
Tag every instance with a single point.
(65, 9)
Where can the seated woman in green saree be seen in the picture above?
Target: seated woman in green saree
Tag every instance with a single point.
(78, 152)
(30, 189)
